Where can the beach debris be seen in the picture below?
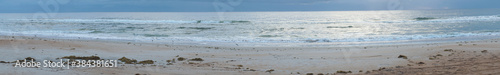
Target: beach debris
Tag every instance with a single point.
(321, 74)
(449, 50)
(435, 57)
(4, 62)
(344, 71)
(146, 62)
(173, 60)
(29, 59)
(420, 63)
(181, 59)
(271, 70)
(82, 57)
(381, 68)
(409, 65)
(250, 70)
(399, 66)
(192, 63)
(432, 58)
(451, 54)
(239, 65)
(19, 61)
(402, 56)
(127, 60)
(72, 49)
(459, 44)
(196, 59)
(484, 51)
(168, 61)
(309, 74)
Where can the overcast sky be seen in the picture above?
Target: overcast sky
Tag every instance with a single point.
(32, 6)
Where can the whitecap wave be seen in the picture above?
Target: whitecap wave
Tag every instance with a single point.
(132, 21)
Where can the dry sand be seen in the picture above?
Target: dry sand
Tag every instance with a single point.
(466, 58)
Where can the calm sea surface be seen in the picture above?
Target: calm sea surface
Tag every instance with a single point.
(316, 27)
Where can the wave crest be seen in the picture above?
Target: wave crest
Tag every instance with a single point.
(424, 18)
(132, 21)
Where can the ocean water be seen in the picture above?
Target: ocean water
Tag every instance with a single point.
(285, 28)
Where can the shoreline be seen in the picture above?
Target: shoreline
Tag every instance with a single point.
(225, 59)
(265, 44)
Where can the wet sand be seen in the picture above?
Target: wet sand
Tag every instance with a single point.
(464, 58)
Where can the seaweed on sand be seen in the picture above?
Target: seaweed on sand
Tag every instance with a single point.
(127, 60)
(448, 50)
(196, 59)
(82, 57)
(344, 72)
(146, 62)
(29, 59)
(403, 56)
(181, 59)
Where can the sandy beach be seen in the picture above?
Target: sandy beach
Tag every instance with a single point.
(466, 57)
(249, 37)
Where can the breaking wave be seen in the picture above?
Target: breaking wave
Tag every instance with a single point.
(132, 21)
